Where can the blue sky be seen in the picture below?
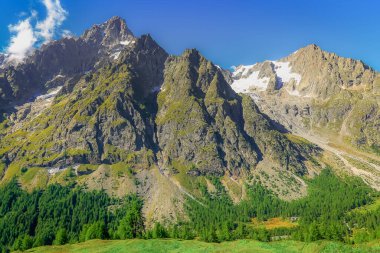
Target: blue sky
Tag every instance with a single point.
(228, 32)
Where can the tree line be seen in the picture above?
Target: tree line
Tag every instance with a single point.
(323, 214)
(68, 214)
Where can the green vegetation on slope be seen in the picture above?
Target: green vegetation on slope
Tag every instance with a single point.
(322, 214)
(59, 215)
(68, 214)
(99, 121)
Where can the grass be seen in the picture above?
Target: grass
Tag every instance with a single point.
(297, 139)
(170, 245)
(190, 183)
(34, 178)
(368, 208)
(274, 223)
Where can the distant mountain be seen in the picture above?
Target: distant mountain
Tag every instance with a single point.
(308, 73)
(319, 95)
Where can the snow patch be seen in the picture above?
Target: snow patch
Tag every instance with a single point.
(116, 55)
(51, 94)
(127, 42)
(284, 72)
(242, 69)
(246, 84)
(294, 93)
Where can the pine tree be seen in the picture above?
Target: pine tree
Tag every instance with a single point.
(61, 237)
(159, 231)
(132, 225)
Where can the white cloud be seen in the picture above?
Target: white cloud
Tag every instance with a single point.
(25, 36)
(22, 42)
(55, 16)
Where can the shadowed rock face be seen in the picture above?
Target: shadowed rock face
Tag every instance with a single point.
(2, 59)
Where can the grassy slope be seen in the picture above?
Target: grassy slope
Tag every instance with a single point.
(169, 245)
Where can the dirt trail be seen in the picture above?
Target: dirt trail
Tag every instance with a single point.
(368, 177)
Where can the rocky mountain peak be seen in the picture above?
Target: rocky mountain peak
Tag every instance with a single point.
(310, 48)
(313, 53)
(191, 52)
(313, 87)
(111, 32)
(310, 52)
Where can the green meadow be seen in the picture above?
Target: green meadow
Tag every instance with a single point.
(194, 246)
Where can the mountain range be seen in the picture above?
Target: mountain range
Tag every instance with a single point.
(109, 110)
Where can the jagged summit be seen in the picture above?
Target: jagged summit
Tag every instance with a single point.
(310, 48)
(113, 31)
